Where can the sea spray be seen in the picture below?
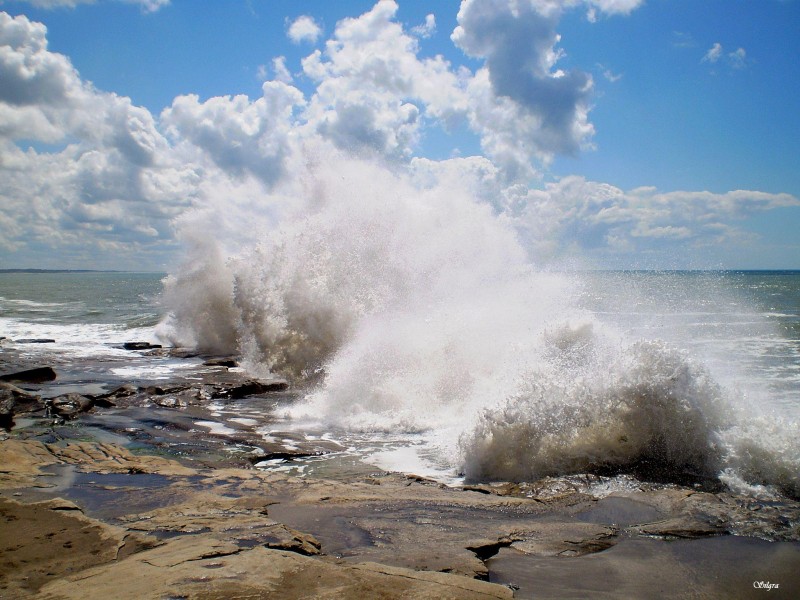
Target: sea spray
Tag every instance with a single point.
(647, 411)
(399, 307)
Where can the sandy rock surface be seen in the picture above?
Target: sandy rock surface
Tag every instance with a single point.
(94, 520)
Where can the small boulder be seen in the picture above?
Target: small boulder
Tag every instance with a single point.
(170, 402)
(252, 388)
(35, 341)
(140, 346)
(221, 361)
(14, 400)
(70, 405)
(37, 375)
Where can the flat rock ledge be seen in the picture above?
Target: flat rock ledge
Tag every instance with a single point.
(93, 520)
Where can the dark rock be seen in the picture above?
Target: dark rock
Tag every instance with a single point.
(250, 388)
(170, 402)
(35, 341)
(37, 375)
(140, 346)
(69, 405)
(285, 455)
(182, 353)
(121, 392)
(109, 400)
(14, 400)
(484, 551)
(157, 390)
(224, 361)
(6, 412)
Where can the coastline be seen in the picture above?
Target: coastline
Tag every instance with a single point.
(126, 498)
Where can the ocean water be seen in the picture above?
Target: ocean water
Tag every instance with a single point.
(494, 373)
(88, 315)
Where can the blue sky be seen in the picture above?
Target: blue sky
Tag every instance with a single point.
(668, 137)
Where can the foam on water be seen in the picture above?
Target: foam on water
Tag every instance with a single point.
(84, 340)
(414, 309)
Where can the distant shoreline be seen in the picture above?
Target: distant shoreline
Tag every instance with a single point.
(665, 271)
(58, 271)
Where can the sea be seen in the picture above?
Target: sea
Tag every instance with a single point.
(655, 373)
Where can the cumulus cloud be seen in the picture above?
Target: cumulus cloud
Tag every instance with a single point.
(111, 183)
(304, 29)
(599, 215)
(373, 90)
(520, 89)
(240, 136)
(92, 174)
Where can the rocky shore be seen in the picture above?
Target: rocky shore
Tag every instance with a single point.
(121, 494)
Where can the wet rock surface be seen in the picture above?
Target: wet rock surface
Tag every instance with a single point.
(35, 375)
(145, 490)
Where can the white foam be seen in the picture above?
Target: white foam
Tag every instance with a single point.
(216, 428)
(417, 310)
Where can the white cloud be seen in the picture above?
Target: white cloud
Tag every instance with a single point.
(735, 60)
(602, 216)
(146, 5)
(427, 29)
(623, 7)
(116, 177)
(608, 74)
(520, 88)
(281, 71)
(714, 53)
(239, 136)
(738, 58)
(304, 29)
(111, 180)
(372, 89)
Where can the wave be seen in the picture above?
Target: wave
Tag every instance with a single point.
(407, 307)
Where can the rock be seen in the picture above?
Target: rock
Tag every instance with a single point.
(223, 361)
(69, 405)
(6, 412)
(21, 462)
(37, 375)
(565, 539)
(49, 540)
(140, 346)
(110, 458)
(182, 352)
(14, 400)
(157, 390)
(250, 388)
(35, 341)
(680, 527)
(200, 567)
(170, 402)
(302, 543)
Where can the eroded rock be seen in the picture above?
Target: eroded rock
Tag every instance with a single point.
(36, 375)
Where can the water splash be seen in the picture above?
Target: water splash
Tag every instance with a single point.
(415, 308)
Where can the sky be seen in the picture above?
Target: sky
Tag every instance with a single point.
(612, 133)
